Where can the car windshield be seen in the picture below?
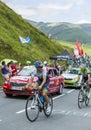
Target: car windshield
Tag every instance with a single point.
(27, 71)
(71, 72)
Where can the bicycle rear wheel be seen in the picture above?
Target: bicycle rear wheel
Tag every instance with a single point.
(80, 99)
(50, 105)
(86, 97)
(32, 109)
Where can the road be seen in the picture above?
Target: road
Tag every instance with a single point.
(65, 116)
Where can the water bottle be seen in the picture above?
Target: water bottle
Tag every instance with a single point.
(42, 99)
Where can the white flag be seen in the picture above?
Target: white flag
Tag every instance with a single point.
(23, 40)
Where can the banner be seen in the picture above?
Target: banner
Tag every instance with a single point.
(25, 40)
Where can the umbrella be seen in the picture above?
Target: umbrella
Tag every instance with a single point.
(28, 62)
(8, 60)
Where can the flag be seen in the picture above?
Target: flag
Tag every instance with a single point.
(82, 51)
(28, 39)
(25, 40)
(78, 47)
(76, 53)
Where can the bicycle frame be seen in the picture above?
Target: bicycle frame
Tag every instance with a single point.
(35, 106)
(36, 94)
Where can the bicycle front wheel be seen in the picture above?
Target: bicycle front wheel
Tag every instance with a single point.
(80, 99)
(32, 109)
(48, 106)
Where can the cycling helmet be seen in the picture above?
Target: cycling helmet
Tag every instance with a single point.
(38, 64)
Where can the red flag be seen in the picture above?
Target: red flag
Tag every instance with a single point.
(82, 51)
(78, 47)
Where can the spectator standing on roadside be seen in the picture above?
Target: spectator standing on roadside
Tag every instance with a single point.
(5, 70)
(10, 69)
(58, 67)
(45, 63)
(18, 67)
(14, 69)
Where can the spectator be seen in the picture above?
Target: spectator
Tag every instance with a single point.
(58, 67)
(5, 70)
(14, 69)
(45, 63)
(18, 67)
(10, 69)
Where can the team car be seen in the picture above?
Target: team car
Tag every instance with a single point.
(71, 77)
(15, 85)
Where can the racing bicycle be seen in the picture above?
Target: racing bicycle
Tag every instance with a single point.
(36, 104)
(83, 95)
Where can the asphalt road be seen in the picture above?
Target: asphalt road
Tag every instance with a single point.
(65, 116)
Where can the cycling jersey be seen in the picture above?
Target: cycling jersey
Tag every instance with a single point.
(84, 74)
(40, 76)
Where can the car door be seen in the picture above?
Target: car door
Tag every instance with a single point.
(56, 79)
(52, 80)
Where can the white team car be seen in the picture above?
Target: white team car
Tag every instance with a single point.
(71, 76)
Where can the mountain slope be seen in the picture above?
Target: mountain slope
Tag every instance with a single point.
(66, 31)
(13, 25)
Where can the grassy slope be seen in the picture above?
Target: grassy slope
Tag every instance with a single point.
(13, 25)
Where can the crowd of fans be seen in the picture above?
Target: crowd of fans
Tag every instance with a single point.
(9, 69)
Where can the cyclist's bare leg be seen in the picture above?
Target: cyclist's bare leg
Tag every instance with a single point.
(44, 93)
(88, 88)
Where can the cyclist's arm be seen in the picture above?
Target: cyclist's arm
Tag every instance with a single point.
(29, 81)
(79, 75)
(88, 72)
(88, 78)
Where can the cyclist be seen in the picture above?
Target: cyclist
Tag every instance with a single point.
(84, 71)
(43, 80)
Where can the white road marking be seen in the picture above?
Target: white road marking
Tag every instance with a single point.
(21, 111)
(70, 91)
(67, 113)
(58, 96)
(72, 113)
(86, 114)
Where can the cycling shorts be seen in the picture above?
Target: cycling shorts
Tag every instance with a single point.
(46, 85)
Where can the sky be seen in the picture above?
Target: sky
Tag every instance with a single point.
(72, 11)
